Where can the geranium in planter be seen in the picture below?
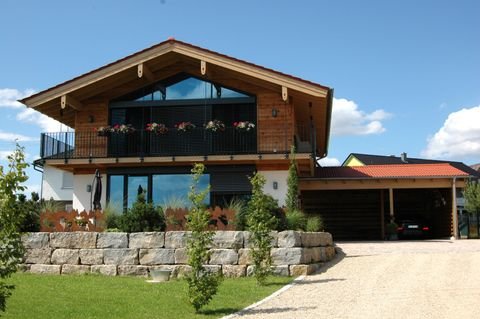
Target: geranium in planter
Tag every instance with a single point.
(184, 126)
(245, 126)
(215, 126)
(157, 128)
(123, 128)
(103, 130)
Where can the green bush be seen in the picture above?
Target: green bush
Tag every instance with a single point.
(295, 220)
(141, 217)
(314, 224)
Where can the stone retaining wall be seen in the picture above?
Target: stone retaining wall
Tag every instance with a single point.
(293, 253)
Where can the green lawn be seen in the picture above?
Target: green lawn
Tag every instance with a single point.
(92, 296)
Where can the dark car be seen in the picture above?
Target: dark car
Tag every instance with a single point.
(413, 228)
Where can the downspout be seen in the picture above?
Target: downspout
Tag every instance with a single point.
(329, 120)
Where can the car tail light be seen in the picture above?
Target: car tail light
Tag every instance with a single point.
(425, 228)
(400, 229)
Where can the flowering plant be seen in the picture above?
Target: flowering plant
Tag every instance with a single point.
(103, 130)
(157, 128)
(123, 128)
(215, 125)
(117, 128)
(244, 126)
(184, 126)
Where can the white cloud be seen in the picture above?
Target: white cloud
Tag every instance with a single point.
(9, 97)
(347, 119)
(12, 137)
(47, 124)
(329, 161)
(458, 137)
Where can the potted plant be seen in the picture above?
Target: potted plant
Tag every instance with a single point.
(103, 130)
(244, 126)
(391, 231)
(184, 126)
(157, 128)
(123, 129)
(215, 126)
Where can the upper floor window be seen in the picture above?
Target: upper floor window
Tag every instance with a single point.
(183, 87)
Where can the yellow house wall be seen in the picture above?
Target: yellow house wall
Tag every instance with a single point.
(353, 161)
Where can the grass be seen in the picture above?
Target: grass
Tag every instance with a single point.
(94, 296)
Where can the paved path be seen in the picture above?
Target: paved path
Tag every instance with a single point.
(418, 279)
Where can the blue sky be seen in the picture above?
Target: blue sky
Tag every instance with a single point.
(406, 73)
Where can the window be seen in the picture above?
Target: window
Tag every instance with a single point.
(67, 180)
(182, 87)
(169, 189)
(135, 186)
(116, 200)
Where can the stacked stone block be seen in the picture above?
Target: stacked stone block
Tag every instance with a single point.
(293, 253)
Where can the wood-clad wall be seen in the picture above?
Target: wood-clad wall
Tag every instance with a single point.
(86, 140)
(274, 133)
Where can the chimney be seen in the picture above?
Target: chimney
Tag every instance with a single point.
(403, 157)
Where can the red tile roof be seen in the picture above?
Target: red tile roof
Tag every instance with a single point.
(390, 171)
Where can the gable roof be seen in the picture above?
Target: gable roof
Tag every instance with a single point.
(369, 159)
(187, 49)
(439, 170)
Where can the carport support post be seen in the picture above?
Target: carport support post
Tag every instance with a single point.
(454, 208)
(390, 199)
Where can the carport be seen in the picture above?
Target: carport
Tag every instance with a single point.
(357, 202)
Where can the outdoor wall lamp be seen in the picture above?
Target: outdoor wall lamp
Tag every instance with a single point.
(275, 185)
(91, 119)
(274, 112)
(89, 188)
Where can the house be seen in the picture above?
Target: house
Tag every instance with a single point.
(178, 88)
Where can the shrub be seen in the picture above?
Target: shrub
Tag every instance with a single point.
(260, 222)
(202, 285)
(30, 212)
(291, 200)
(112, 218)
(141, 217)
(295, 220)
(314, 224)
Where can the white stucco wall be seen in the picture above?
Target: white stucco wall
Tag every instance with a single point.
(52, 185)
(281, 178)
(81, 198)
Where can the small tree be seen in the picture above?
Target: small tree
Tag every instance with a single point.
(292, 183)
(143, 216)
(260, 222)
(202, 285)
(11, 248)
(472, 197)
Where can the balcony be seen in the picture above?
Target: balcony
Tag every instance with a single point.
(198, 141)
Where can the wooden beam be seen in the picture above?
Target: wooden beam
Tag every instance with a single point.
(454, 209)
(390, 199)
(382, 214)
(203, 67)
(143, 70)
(284, 93)
(70, 101)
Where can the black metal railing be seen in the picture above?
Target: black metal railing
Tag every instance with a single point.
(197, 141)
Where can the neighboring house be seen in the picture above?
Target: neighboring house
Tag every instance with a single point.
(171, 83)
(357, 159)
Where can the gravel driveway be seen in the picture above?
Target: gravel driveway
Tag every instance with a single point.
(418, 279)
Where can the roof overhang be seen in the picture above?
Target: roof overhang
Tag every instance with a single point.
(132, 62)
